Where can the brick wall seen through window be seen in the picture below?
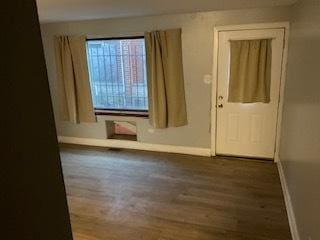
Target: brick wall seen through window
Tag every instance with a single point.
(118, 78)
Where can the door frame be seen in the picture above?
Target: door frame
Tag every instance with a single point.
(261, 26)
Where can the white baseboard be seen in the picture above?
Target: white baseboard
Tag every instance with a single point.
(113, 143)
(287, 199)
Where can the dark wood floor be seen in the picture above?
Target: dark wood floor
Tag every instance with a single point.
(128, 195)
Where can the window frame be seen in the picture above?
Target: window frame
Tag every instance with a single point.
(115, 111)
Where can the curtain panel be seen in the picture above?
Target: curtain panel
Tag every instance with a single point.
(250, 71)
(75, 101)
(167, 104)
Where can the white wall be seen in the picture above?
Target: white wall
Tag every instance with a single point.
(300, 144)
(197, 40)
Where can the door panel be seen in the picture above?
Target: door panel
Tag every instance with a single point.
(233, 127)
(247, 129)
(256, 124)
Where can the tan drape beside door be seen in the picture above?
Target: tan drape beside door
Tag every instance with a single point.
(167, 105)
(250, 71)
(74, 93)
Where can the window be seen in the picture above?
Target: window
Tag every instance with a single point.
(117, 69)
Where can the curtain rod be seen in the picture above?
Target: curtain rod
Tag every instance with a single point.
(230, 40)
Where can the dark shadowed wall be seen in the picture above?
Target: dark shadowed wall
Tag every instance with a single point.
(33, 199)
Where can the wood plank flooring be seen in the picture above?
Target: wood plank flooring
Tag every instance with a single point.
(132, 195)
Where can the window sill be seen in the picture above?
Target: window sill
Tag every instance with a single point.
(102, 112)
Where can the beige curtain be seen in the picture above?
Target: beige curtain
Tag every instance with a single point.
(167, 105)
(250, 71)
(74, 91)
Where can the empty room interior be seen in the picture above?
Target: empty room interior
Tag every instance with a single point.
(187, 120)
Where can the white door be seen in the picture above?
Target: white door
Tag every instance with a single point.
(248, 130)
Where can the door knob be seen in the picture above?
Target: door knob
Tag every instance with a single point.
(220, 106)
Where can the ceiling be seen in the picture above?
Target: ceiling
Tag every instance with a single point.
(69, 10)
